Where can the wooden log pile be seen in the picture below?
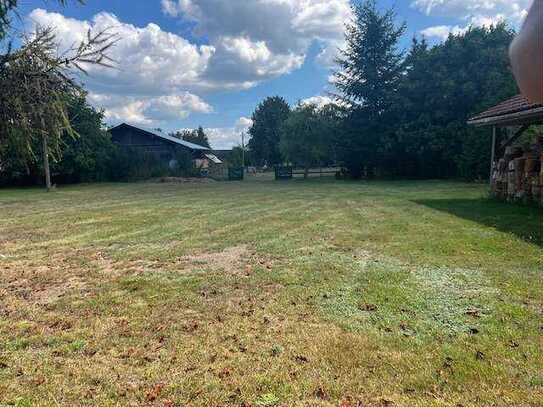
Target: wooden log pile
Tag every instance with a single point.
(518, 176)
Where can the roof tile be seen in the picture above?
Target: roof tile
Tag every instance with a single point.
(516, 104)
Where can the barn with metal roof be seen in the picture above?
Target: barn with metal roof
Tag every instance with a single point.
(155, 142)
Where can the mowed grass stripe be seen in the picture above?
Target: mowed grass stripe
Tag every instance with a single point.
(318, 293)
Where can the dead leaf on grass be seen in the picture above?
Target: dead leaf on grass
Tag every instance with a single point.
(368, 307)
(320, 393)
(224, 373)
(154, 392)
(350, 402)
(475, 313)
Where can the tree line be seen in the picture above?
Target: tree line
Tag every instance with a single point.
(395, 113)
(48, 130)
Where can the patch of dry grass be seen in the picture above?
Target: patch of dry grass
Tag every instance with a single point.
(257, 294)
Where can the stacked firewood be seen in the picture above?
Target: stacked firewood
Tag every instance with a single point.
(518, 176)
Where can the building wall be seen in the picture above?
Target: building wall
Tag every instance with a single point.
(132, 138)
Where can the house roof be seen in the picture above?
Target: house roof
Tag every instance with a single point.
(163, 136)
(515, 111)
(213, 158)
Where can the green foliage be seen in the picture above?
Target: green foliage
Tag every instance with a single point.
(408, 116)
(371, 69)
(267, 400)
(34, 92)
(88, 157)
(265, 132)
(445, 86)
(305, 139)
(184, 164)
(23, 402)
(130, 164)
(197, 136)
(36, 85)
(235, 159)
(5, 7)
(371, 65)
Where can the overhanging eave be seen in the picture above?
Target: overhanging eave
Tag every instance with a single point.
(532, 117)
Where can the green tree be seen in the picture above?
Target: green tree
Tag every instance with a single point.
(443, 87)
(87, 157)
(201, 138)
(305, 139)
(265, 132)
(197, 136)
(35, 87)
(235, 159)
(371, 69)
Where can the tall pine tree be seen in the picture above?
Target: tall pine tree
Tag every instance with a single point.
(371, 69)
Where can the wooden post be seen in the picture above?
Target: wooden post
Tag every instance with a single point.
(46, 163)
(493, 156)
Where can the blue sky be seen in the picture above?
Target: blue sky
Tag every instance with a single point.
(185, 63)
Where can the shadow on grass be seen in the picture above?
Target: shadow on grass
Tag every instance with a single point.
(526, 222)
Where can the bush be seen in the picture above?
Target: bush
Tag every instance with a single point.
(130, 164)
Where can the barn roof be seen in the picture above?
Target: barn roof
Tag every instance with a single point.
(163, 136)
(515, 111)
(213, 158)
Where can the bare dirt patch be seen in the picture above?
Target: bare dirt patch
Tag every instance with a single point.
(53, 293)
(44, 293)
(234, 260)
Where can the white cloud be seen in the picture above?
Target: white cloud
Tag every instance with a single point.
(512, 10)
(149, 110)
(243, 123)
(285, 27)
(319, 101)
(472, 13)
(151, 61)
(442, 32)
(242, 63)
(161, 74)
(156, 69)
(175, 106)
(224, 138)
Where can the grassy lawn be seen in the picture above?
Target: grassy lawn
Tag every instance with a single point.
(308, 293)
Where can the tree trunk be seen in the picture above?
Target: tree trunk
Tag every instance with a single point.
(46, 163)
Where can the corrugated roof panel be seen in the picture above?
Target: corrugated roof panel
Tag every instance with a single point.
(213, 158)
(176, 140)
